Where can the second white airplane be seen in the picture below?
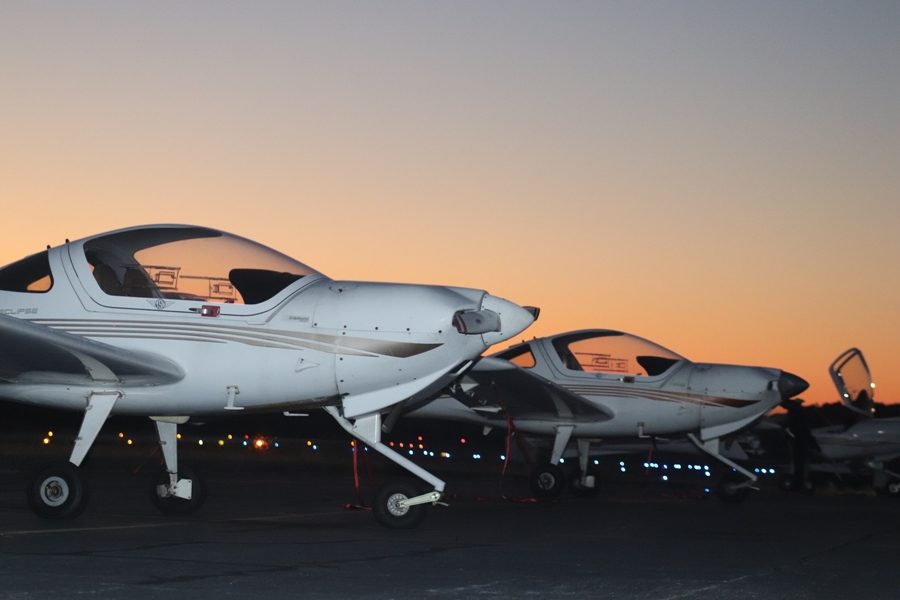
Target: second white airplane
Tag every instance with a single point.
(601, 384)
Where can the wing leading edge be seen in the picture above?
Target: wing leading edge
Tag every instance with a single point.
(37, 354)
(499, 387)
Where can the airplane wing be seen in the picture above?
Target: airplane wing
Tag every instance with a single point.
(495, 388)
(36, 354)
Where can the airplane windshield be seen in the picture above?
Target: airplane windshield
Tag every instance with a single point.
(613, 352)
(190, 263)
(853, 380)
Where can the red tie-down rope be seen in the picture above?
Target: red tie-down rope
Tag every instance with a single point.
(512, 432)
(361, 503)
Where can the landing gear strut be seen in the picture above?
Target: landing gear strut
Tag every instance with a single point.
(736, 485)
(176, 491)
(58, 491)
(397, 505)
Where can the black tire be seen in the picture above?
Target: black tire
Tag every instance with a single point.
(547, 481)
(171, 505)
(57, 492)
(386, 511)
(581, 491)
(730, 491)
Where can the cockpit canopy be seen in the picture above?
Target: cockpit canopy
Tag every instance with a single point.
(189, 263)
(602, 351)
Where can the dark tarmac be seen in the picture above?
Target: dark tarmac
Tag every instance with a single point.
(280, 530)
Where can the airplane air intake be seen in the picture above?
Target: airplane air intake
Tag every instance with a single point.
(476, 322)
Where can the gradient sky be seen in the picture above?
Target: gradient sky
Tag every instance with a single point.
(720, 177)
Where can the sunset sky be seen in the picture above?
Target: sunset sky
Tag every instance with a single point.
(720, 177)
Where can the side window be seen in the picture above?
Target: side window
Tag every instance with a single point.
(520, 356)
(30, 275)
(614, 353)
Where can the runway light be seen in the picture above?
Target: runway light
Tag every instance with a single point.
(462, 440)
(199, 442)
(410, 452)
(562, 461)
(130, 442)
(260, 443)
(177, 436)
(315, 447)
(622, 469)
(121, 435)
(420, 438)
(46, 441)
(244, 443)
(596, 461)
(665, 477)
(476, 456)
(353, 443)
(502, 457)
(707, 474)
(445, 455)
(401, 445)
(421, 446)
(309, 443)
(221, 442)
(49, 434)
(391, 444)
(277, 445)
(230, 437)
(677, 467)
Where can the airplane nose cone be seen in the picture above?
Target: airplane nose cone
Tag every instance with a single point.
(513, 318)
(790, 385)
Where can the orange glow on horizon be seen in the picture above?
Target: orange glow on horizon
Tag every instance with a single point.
(728, 190)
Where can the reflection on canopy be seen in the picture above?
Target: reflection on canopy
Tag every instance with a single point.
(190, 263)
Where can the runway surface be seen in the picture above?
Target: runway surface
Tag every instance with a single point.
(282, 531)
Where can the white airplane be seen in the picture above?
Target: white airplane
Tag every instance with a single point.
(865, 446)
(171, 321)
(596, 385)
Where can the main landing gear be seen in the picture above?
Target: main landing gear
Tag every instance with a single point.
(397, 504)
(548, 480)
(59, 491)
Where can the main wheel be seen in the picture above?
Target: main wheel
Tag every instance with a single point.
(387, 507)
(582, 491)
(547, 481)
(57, 492)
(172, 505)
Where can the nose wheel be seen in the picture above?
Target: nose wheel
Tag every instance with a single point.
(393, 505)
(58, 492)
